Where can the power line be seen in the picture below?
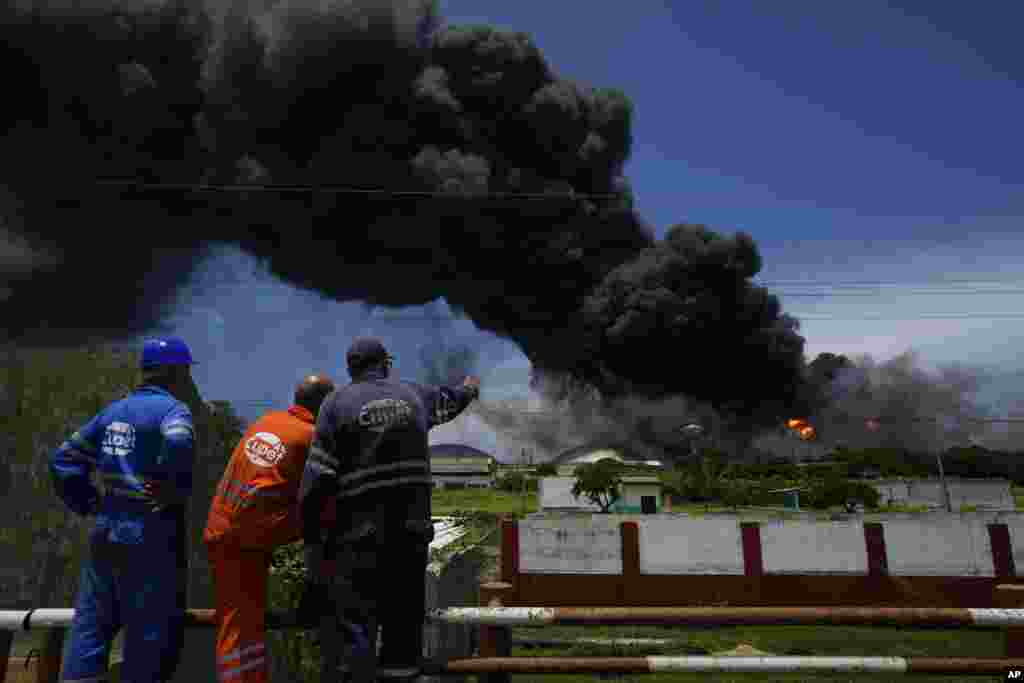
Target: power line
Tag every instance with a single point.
(341, 189)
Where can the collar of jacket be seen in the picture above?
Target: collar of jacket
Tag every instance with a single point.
(302, 414)
(153, 389)
(370, 375)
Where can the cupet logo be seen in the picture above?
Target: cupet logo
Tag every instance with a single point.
(264, 449)
(119, 439)
(384, 414)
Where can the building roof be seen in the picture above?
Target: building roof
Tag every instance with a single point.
(457, 450)
(641, 480)
(595, 451)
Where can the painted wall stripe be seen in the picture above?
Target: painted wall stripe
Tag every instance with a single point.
(753, 562)
(510, 551)
(1002, 553)
(874, 541)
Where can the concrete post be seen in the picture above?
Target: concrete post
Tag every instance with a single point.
(495, 641)
(6, 640)
(1011, 596)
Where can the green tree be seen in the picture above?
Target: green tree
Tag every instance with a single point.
(48, 394)
(705, 480)
(546, 469)
(598, 482)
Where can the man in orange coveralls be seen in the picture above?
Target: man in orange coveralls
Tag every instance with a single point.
(255, 510)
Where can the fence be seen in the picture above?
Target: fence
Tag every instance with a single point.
(494, 621)
(662, 560)
(953, 571)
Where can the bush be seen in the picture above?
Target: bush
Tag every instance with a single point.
(833, 492)
(547, 469)
(513, 482)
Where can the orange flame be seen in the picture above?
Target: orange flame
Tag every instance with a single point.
(807, 433)
(796, 423)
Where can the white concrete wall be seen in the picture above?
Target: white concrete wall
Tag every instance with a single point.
(946, 546)
(993, 493)
(556, 493)
(809, 548)
(587, 544)
(674, 545)
(931, 544)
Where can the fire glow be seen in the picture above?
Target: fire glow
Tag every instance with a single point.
(802, 427)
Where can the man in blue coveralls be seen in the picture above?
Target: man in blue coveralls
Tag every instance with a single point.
(143, 449)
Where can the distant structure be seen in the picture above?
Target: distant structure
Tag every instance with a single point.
(567, 461)
(460, 466)
(637, 495)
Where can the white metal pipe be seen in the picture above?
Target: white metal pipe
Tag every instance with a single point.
(741, 664)
(12, 620)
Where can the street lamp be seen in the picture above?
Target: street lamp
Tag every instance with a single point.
(692, 432)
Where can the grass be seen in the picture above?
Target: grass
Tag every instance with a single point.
(1018, 496)
(781, 640)
(446, 501)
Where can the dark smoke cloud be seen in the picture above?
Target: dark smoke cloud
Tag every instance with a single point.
(919, 409)
(364, 94)
(447, 364)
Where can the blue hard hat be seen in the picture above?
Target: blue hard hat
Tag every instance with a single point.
(165, 351)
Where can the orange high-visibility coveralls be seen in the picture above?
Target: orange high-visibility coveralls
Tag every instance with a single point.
(254, 511)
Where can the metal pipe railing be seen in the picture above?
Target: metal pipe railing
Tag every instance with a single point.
(728, 664)
(495, 622)
(902, 617)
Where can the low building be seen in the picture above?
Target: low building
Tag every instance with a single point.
(639, 494)
(460, 466)
(555, 495)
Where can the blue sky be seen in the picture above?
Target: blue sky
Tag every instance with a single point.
(872, 149)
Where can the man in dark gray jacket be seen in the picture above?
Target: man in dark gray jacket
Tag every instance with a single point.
(370, 454)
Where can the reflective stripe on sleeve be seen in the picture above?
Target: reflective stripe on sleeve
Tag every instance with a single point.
(75, 454)
(418, 465)
(398, 481)
(316, 452)
(239, 652)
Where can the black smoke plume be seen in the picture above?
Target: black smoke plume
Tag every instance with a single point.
(902, 404)
(447, 364)
(367, 95)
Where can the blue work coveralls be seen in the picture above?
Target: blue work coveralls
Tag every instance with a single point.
(134, 576)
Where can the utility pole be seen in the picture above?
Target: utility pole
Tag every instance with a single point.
(945, 484)
(526, 453)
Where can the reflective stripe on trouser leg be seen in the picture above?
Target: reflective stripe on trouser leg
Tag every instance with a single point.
(240, 586)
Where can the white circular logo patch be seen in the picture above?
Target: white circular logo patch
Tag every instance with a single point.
(119, 439)
(264, 449)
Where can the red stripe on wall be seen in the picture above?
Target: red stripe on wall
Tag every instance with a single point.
(1002, 550)
(874, 542)
(753, 563)
(510, 551)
